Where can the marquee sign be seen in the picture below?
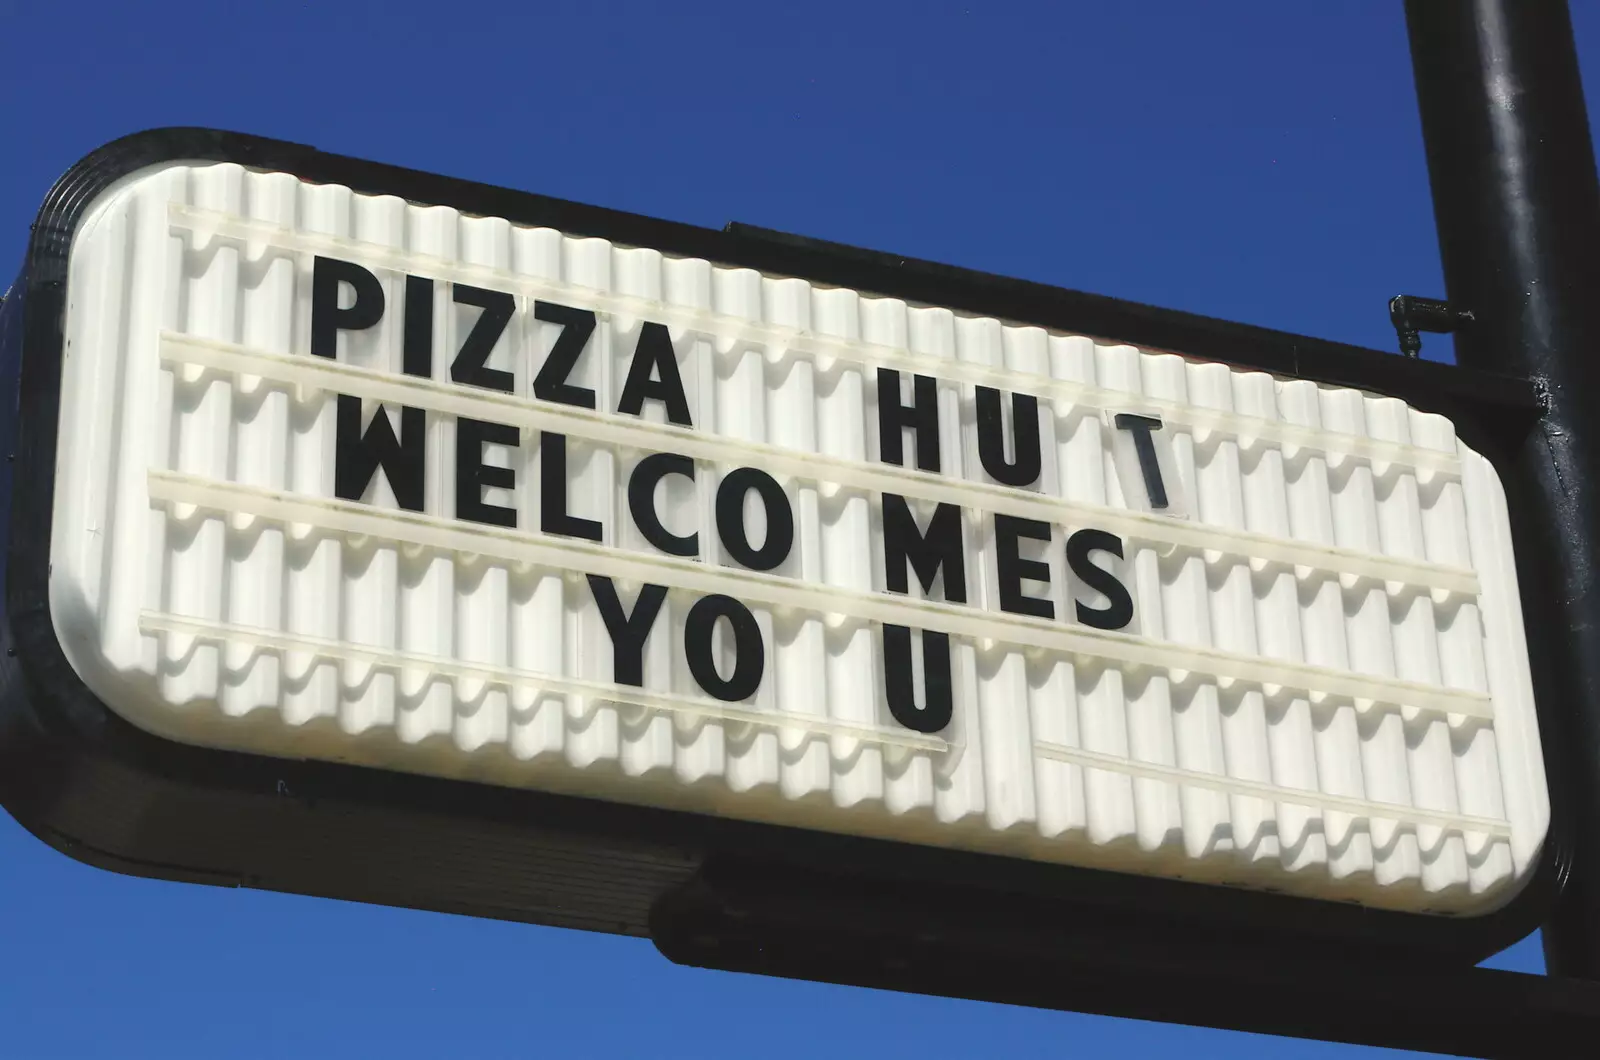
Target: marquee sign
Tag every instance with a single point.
(351, 478)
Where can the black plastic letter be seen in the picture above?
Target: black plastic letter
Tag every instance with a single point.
(897, 679)
(358, 456)
(1011, 569)
(1023, 470)
(1145, 446)
(894, 418)
(1118, 611)
(628, 632)
(642, 502)
(471, 364)
(551, 382)
(927, 552)
(749, 653)
(328, 275)
(472, 474)
(654, 374)
(416, 341)
(553, 515)
(730, 518)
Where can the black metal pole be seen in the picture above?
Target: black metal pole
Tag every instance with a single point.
(1518, 212)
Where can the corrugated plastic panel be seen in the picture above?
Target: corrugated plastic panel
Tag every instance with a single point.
(1324, 689)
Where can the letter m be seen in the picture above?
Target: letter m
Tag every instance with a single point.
(925, 553)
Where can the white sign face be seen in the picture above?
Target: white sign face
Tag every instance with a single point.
(350, 479)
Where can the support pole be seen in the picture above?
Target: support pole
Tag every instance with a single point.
(1518, 212)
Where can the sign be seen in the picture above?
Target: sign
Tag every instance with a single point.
(351, 478)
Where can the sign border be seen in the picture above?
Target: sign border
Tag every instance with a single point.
(103, 791)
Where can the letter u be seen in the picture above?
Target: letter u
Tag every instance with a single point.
(898, 682)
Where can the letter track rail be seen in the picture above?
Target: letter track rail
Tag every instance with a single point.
(298, 512)
(308, 373)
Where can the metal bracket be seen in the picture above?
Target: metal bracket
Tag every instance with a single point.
(1412, 315)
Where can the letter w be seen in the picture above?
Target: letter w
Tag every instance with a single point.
(358, 456)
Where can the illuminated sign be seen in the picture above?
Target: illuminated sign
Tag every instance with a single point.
(377, 535)
(349, 478)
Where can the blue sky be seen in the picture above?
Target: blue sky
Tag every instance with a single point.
(1258, 161)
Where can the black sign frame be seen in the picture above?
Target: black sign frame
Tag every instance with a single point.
(710, 891)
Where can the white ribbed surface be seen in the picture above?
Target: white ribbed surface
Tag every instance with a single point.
(1324, 690)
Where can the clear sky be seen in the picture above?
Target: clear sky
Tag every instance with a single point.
(1259, 161)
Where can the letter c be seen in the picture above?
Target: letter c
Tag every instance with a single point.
(642, 502)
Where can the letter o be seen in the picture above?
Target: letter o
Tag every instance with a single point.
(749, 653)
(730, 518)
